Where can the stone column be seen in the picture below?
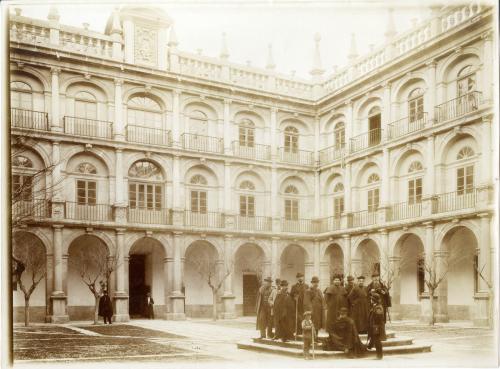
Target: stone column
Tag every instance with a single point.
(386, 117)
(227, 127)
(394, 263)
(425, 312)
(440, 257)
(275, 262)
(177, 297)
(486, 168)
(348, 270)
(483, 298)
(228, 209)
(308, 271)
(176, 110)
(430, 102)
(121, 296)
(385, 267)
(58, 297)
(56, 172)
(384, 190)
(274, 200)
(317, 201)
(347, 189)
(177, 193)
(56, 120)
(228, 298)
(274, 128)
(316, 140)
(429, 190)
(120, 205)
(349, 126)
(317, 258)
(488, 80)
(119, 126)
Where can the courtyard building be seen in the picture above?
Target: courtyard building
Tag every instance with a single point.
(172, 162)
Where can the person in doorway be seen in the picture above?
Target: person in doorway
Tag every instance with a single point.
(272, 298)
(298, 292)
(309, 333)
(264, 309)
(285, 313)
(359, 305)
(315, 303)
(105, 307)
(336, 298)
(376, 324)
(150, 314)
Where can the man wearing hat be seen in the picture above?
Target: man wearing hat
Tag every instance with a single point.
(336, 298)
(348, 288)
(376, 286)
(376, 324)
(264, 309)
(284, 309)
(298, 292)
(344, 336)
(272, 298)
(359, 304)
(315, 303)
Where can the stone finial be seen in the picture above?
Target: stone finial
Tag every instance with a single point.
(224, 53)
(317, 70)
(270, 60)
(85, 26)
(172, 39)
(390, 31)
(116, 27)
(353, 52)
(18, 11)
(53, 14)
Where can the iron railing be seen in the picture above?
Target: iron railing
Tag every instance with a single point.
(196, 142)
(406, 126)
(301, 157)
(256, 151)
(204, 220)
(458, 106)
(405, 210)
(363, 218)
(22, 118)
(149, 216)
(328, 224)
(255, 223)
(27, 210)
(366, 140)
(456, 200)
(297, 225)
(331, 154)
(88, 212)
(147, 135)
(88, 127)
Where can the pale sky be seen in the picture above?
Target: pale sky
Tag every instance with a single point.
(250, 26)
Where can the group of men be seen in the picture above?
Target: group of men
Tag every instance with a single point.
(350, 308)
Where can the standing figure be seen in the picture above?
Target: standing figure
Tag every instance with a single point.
(297, 292)
(150, 314)
(264, 309)
(360, 305)
(315, 303)
(105, 307)
(309, 333)
(344, 336)
(272, 298)
(336, 298)
(376, 324)
(376, 286)
(349, 286)
(284, 309)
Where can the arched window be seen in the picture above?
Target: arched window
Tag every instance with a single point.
(22, 162)
(465, 173)
(144, 190)
(374, 125)
(247, 133)
(198, 195)
(338, 199)
(144, 112)
(339, 135)
(22, 178)
(198, 123)
(373, 178)
(415, 166)
(198, 179)
(415, 183)
(466, 81)
(247, 185)
(291, 189)
(86, 187)
(21, 96)
(373, 193)
(416, 105)
(291, 203)
(85, 105)
(291, 139)
(465, 153)
(86, 168)
(247, 200)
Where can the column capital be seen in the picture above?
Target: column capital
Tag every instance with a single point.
(428, 224)
(177, 92)
(118, 150)
(487, 36)
(346, 236)
(118, 81)
(55, 70)
(275, 238)
(386, 84)
(228, 236)
(383, 231)
(55, 142)
(440, 253)
(177, 233)
(274, 109)
(431, 63)
(57, 227)
(487, 118)
(227, 101)
(120, 231)
(394, 258)
(485, 215)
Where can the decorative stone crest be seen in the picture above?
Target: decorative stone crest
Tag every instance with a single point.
(145, 45)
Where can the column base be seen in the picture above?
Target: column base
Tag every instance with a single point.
(121, 307)
(59, 311)
(177, 307)
(228, 303)
(119, 137)
(481, 317)
(56, 129)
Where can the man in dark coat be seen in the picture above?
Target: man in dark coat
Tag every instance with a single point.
(298, 292)
(344, 336)
(284, 309)
(336, 298)
(105, 307)
(315, 303)
(150, 314)
(376, 286)
(272, 297)
(348, 288)
(359, 303)
(264, 309)
(376, 324)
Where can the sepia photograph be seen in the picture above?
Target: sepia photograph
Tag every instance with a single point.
(250, 184)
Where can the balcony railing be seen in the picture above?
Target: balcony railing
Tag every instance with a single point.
(363, 218)
(149, 216)
(259, 152)
(29, 119)
(456, 200)
(366, 140)
(87, 127)
(459, 106)
(328, 224)
(406, 126)
(26, 210)
(196, 142)
(256, 223)
(203, 220)
(405, 210)
(146, 135)
(297, 226)
(88, 212)
(301, 157)
(330, 154)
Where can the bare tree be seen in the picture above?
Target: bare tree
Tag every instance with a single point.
(29, 257)
(480, 272)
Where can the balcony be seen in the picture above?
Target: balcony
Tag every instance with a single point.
(366, 140)
(256, 223)
(149, 216)
(88, 127)
(29, 119)
(201, 143)
(363, 218)
(259, 152)
(88, 212)
(203, 220)
(405, 126)
(301, 157)
(457, 107)
(405, 210)
(457, 200)
(329, 224)
(331, 154)
(151, 136)
(30, 210)
(297, 225)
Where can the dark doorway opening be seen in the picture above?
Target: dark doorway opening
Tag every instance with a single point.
(137, 286)
(250, 290)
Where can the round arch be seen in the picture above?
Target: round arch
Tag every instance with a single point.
(154, 94)
(33, 73)
(293, 258)
(366, 259)
(104, 88)
(97, 152)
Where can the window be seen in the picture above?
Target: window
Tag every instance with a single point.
(374, 124)
(339, 135)
(415, 166)
(86, 192)
(144, 112)
(373, 178)
(465, 179)
(21, 96)
(247, 206)
(85, 106)
(416, 105)
(145, 170)
(291, 204)
(199, 201)
(415, 191)
(247, 185)
(466, 81)
(198, 179)
(373, 200)
(198, 123)
(22, 187)
(465, 152)
(247, 133)
(291, 140)
(338, 200)
(86, 168)
(143, 192)
(22, 162)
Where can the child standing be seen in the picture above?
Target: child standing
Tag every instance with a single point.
(308, 333)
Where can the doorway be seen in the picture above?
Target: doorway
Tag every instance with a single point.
(250, 290)
(137, 285)
(374, 122)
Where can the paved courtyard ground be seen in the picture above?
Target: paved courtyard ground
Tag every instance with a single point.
(200, 343)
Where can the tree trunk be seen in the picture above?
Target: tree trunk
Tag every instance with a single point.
(26, 311)
(214, 305)
(431, 296)
(96, 310)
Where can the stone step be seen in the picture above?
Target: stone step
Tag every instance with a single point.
(390, 342)
(323, 334)
(295, 352)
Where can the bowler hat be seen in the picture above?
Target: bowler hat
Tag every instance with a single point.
(277, 281)
(284, 283)
(299, 275)
(350, 278)
(361, 277)
(314, 279)
(375, 275)
(268, 279)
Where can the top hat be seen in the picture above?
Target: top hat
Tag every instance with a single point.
(299, 275)
(314, 279)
